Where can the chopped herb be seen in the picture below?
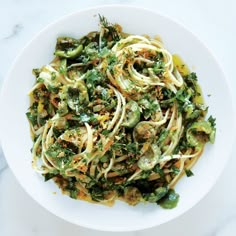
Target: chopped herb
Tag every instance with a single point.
(36, 72)
(212, 121)
(158, 170)
(112, 30)
(175, 170)
(53, 75)
(162, 136)
(158, 67)
(32, 118)
(191, 77)
(40, 80)
(105, 132)
(87, 118)
(97, 193)
(60, 155)
(74, 194)
(104, 158)
(49, 176)
(53, 89)
(146, 174)
(132, 148)
(189, 173)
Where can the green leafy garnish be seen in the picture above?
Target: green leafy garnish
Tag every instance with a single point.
(189, 173)
(32, 118)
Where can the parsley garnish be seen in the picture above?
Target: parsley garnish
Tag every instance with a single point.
(189, 173)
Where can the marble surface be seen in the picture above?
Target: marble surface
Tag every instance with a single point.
(213, 21)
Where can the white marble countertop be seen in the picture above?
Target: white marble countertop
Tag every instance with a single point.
(213, 21)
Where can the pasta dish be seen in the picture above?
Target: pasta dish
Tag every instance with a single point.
(117, 116)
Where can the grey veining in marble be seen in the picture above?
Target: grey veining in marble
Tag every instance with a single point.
(16, 29)
(3, 164)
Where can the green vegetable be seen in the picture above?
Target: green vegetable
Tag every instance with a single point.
(199, 133)
(143, 132)
(72, 53)
(156, 195)
(65, 43)
(192, 112)
(63, 66)
(78, 94)
(73, 97)
(133, 114)
(170, 200)
(150, 158)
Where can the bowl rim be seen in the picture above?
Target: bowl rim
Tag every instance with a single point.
(168, 18)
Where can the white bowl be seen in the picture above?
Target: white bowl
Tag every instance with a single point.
(15, 135)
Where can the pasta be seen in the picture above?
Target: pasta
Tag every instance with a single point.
(117, 116)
